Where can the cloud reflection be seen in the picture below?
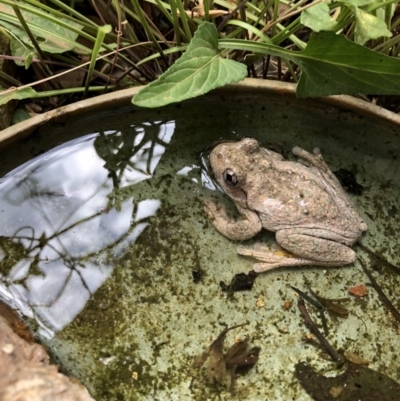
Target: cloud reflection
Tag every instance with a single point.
(66, 215)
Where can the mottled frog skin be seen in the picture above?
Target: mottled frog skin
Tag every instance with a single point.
(302, 202)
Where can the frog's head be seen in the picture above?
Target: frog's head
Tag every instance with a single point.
(232, 164)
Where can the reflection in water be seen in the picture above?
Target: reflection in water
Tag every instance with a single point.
(66, 215)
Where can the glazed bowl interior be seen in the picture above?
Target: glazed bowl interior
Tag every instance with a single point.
(107, 251)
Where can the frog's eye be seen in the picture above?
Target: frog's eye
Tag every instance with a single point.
(230, 177)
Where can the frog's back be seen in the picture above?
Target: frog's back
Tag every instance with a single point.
(298, 199)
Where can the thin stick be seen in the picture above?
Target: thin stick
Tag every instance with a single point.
(314, 329)
(380, 258)
(385, 300)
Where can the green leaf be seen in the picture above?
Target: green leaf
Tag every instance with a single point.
(317, 18)
(20, 49)
(16, 94)
(19, 116)
(199, 70)
(369, 27)
(332, 64)
(51, 36)
(101, 33)
(28, 60)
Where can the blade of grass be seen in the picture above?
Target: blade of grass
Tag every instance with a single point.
(9, 78)
(332, 64)
(207, 7)
(231, 14)
(230, 6)
(70, 91)
(6, 92)
(291, 70)
(289, 30)
(93, 58)
(172, 50)
(130, 31)
(149, 32)
(172, 17)
(385, 46)
(289, 34)
(175, 22)
(178, 7)
(257, 32)
(375, 5)
(118, 44)
(274, 17)
(261, 13)
(34, 4)
(69, 10)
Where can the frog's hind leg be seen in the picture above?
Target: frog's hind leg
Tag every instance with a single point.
(311, 159)
(316, 160)
(318, 246)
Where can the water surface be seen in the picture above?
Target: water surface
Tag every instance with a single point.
(103, 238)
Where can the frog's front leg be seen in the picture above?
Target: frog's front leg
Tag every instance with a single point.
(244, 228)
(305, 247)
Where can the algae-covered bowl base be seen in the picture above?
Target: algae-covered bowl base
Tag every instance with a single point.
(107, 251)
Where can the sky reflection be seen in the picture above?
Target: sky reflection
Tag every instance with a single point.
(63, 219)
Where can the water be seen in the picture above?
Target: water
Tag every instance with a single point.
(102, 232)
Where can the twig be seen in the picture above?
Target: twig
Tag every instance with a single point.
(385, 300)
(317, 304)
(314, 329)
(375, 256)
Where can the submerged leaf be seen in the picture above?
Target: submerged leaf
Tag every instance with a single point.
(317, 18)
(199, 70)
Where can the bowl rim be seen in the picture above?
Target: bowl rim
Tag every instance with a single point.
(247, 86)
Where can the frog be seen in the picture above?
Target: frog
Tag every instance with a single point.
(302, 202)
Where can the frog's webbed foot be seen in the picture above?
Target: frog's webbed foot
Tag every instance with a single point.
(272, 258)
(244, 228)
